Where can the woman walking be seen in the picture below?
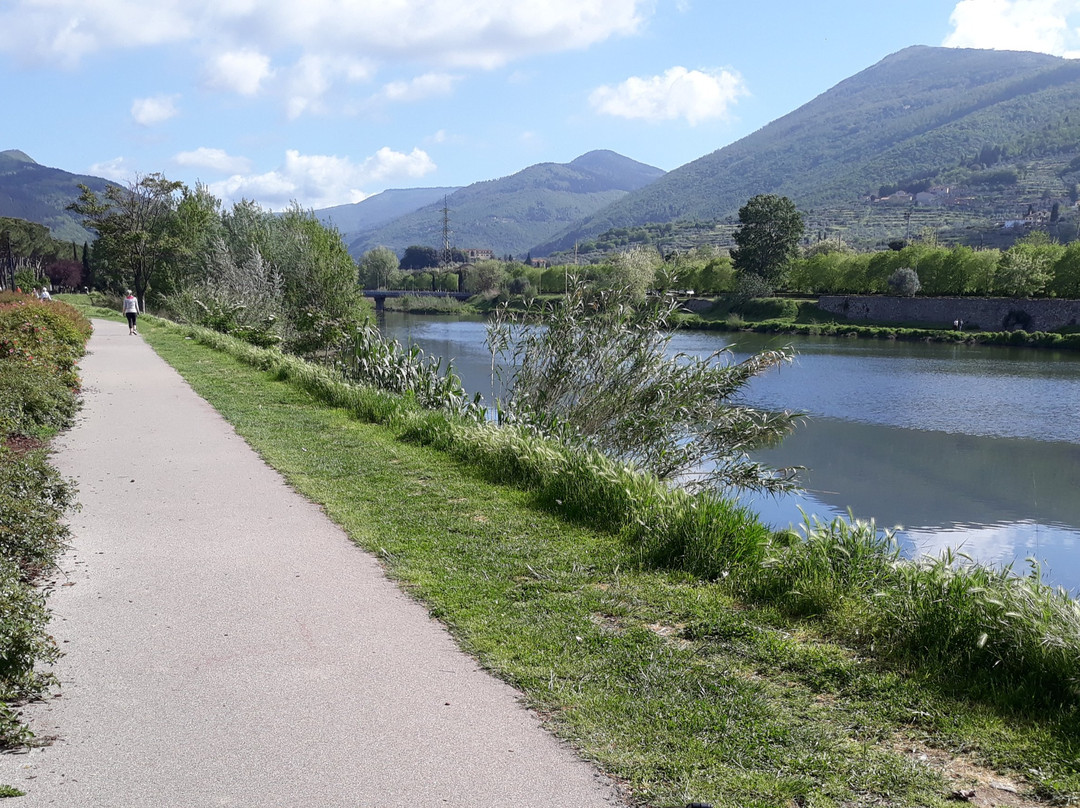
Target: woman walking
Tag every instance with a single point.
(131, 311)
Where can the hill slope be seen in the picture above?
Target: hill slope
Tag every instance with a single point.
(40, 194)
(510, 214)
(917, 114)
(380, 208)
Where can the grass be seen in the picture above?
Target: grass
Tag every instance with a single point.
(665, 679)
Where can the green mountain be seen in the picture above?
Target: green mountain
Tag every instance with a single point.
(982, 135)
(381, 208)
(510, 214)
(41, 194)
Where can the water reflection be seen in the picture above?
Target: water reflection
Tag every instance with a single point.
(996, 499)
(965, 447)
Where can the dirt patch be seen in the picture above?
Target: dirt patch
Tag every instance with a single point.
(969, 783)
(20, 444)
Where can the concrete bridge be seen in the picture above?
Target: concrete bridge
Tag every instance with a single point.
(380, 295)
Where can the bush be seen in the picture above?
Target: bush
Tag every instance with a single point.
(904, 282)
(768, 308)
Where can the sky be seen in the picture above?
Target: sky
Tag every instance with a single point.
(327, 102)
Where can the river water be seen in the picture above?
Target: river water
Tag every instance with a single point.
(973, 448)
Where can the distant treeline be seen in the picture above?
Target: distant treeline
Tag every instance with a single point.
(1033, 267)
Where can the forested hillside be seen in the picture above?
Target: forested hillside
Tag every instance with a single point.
(510, 214)
(381, 208)
(41, 194)
(982, 135)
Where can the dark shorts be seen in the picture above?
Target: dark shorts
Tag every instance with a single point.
(131, 318)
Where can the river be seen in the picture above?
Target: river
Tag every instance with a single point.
(968, 447)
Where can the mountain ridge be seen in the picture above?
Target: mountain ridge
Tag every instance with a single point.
(921, 110)
(506, 213)
(40, 194)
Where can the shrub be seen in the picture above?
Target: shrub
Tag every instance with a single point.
(904, 282)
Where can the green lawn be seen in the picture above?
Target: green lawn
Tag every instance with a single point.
(670, 686)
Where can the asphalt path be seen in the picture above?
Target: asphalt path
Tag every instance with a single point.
(226, 645)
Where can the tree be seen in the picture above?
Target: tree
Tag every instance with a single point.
(376, 267)
(418, 257)
(319, 278)
(65, 273)
(768, 235)
(136, 242)
(634, 270)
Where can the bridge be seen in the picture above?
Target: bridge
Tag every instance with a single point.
(380, 295)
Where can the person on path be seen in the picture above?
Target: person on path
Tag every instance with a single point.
(44, 295)
(131, 311)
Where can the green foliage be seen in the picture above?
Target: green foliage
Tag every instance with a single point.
(138, 244)
(369, 359)
(767, 308)
(634, 271)
(770, 228)
(377, 266)
(1025, 269)
(1066, 272)
(904, 282)
(39, 344)
(244, 300)
(597, 374)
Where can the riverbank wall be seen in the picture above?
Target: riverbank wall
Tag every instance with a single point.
(986, 313)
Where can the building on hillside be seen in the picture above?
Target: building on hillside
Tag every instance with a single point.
(473, 255)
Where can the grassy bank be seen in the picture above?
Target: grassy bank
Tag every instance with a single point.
(804, 318)
(686, 650)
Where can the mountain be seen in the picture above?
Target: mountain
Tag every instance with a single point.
(510, 214)
(380, 208)
(40, 194)
(919, 118)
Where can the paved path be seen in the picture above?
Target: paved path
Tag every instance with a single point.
(226, 645)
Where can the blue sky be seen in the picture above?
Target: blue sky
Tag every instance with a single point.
(325, 102)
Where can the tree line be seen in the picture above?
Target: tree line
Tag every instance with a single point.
(266, 277)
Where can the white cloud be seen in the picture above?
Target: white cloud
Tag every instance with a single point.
(1044, 26)
(320, 181)
(66, 31)
(429, 85)
(214, 160)
(239, 71)
(461, 33)
(313, 76)
(116, 169)
(150, 111)
(693, 95)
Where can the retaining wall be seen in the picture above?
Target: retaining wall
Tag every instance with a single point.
(987, 313)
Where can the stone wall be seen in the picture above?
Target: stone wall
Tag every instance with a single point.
(986, 313)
